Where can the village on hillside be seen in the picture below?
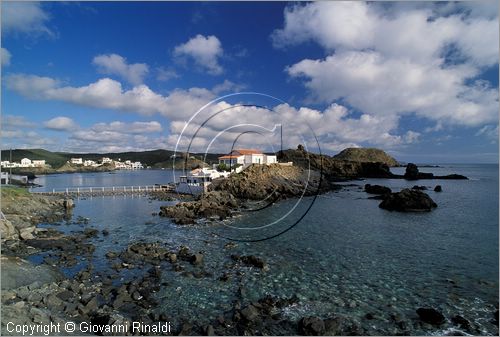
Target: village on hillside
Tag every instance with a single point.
(39, 163)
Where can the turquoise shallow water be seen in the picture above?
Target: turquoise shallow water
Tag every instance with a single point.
(346, 256)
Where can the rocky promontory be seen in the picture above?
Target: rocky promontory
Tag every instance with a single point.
(366, 155)
(257, 182)
(23, 211)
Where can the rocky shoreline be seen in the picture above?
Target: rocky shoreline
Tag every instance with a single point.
(111, 298)
(271, 183)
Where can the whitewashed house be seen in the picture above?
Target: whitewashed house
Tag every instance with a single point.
(5, 163)
(76, 161)
(198, 180)
(89, 163)
(121, 166)
(25, 162)
(246, 157)
(39, 163)
(136, 165)
(106, 160)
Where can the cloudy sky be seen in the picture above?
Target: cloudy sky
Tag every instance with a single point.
(418, 79)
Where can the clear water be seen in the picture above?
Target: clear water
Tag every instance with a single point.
(346, 256)
(105, 179)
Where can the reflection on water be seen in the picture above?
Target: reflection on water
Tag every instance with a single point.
(103, 179)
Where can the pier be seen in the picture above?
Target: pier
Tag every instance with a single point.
(107, 190)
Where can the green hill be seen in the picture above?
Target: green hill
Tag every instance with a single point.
(364, 155)
(154, 158)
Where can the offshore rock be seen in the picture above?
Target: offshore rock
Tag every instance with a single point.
(408, 201)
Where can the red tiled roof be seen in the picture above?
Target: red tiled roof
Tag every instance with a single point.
(240, 152)
(248, 151)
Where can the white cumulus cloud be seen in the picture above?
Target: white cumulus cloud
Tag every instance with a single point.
(114, 64)
(394, 60)
(24, 17)
(5, 56)
(60, 123)
(204, 51)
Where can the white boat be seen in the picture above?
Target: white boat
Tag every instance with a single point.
(197, 181)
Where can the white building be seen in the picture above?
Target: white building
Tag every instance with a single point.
(121, 166)
(5, 163)
(136, 166)
(89, 163)
(38, 163)
(106, 160)
(246, 157)
(76, 161)
(197, 180)
(25, 162)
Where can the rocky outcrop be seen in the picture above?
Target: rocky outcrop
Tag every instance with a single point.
(17, 272)
(377, 189)
(219, 204)
(408, 200)
(334, 168)
(258, 182)
(431, 316)
(412, 173)
(23, 211)
(363, 155)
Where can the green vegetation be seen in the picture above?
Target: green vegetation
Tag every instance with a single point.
(366, 155)
(154, 158)
(12, 192)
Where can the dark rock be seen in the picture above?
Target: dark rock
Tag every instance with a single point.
(105, 232)
(65, 295)
(495, 317)
(411, 172)
(68, 204)
(111, 255)
(453, 177)
(197, 259)
(438, 188)
(431, 316)
(250, 313)
(90, 232)
(369, 316)
(420, 188)
(462, 322)
(408, 201)
(209, 330)
(311, 326)
(186, 329)
(250, 260)
(377, 189)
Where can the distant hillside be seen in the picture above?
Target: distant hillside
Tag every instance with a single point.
(366, 155)
(154, 158)
(54, 159)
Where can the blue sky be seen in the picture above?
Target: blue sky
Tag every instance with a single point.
(419, 79)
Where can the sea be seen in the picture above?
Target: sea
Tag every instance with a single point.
(338, 253)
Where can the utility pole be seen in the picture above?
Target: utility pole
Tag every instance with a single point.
(281, 136)
(10, 166)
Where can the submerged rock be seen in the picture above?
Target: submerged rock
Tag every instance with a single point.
(408, 201)
(431, 316)
(311, 326)
(251, 261)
